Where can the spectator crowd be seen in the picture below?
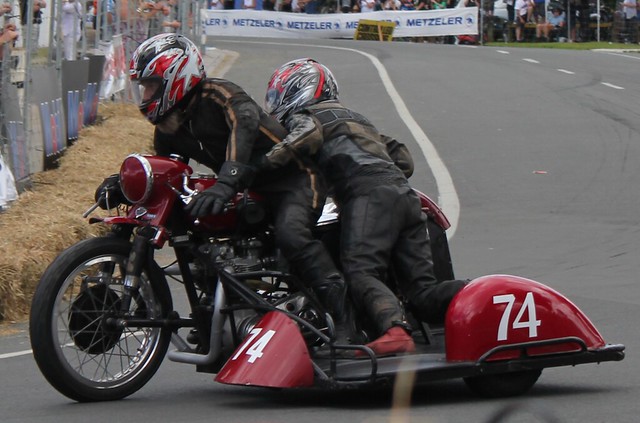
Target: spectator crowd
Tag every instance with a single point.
(551, 20)
(574, 20)
(329, 6)
(555, 20)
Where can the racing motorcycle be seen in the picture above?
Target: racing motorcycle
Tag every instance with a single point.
(104, 315)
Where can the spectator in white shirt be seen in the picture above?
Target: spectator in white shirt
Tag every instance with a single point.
(367, 6)
(524, 10)
(71, 29)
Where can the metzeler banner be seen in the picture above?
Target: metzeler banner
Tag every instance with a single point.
(261, 23)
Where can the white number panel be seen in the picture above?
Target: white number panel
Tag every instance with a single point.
(527, 310)
(255, 350)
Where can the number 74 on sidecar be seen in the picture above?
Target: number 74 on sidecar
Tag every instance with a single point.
(500, 332)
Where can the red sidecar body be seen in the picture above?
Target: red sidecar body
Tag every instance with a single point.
(500, 332)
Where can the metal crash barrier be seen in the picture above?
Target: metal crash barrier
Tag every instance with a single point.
(66, 59)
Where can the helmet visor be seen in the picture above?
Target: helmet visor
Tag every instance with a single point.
(271, 100)
(146, 91)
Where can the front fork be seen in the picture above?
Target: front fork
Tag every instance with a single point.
(135, 265)
(138, 256)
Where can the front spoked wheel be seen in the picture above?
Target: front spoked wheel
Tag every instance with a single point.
(75, 336)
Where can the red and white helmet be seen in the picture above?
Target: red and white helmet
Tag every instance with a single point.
(299, 83)
(164, 69)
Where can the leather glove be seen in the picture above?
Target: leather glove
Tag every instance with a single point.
(233, 177)
(211, 200)
(109, 195)
(399, 153)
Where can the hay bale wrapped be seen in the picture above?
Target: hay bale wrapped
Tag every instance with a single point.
(47, 218)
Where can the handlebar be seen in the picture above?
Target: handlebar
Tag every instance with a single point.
(186, 195)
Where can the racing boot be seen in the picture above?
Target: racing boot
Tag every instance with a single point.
(346, 331)
(332, 294)
(396, 340)
(333, 297)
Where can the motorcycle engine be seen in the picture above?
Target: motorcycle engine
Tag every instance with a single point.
(243, 255)
(255, 254)
(296, 304)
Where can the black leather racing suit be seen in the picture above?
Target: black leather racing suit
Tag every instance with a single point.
(225, 125)
(381, 216)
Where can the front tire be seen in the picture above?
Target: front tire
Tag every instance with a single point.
(76, 348)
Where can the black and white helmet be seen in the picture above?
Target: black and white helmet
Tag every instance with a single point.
(296, 84)
(164, 70)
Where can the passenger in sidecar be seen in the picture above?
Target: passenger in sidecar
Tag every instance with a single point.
(383, 228)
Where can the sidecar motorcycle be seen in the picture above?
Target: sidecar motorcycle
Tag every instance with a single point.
(103, 313)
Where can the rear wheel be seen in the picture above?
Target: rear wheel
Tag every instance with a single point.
(75, 342)
(503, 384)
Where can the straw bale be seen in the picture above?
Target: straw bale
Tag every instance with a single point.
(48, 217)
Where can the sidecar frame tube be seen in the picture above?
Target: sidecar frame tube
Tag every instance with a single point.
(219, 317)
(433, 366)
(152, 323)
(215, 348)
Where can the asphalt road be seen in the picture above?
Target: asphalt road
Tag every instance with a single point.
(533, 153)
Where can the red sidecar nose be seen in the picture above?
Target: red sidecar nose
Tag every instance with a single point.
(273, 355)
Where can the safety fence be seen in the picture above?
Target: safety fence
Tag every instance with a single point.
(50, 87)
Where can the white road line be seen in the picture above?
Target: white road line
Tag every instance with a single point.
(448, 197)
(15, 354)
(612, 86)
(503, 52)
(566, 71)
(530, 60)
(618, 54)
